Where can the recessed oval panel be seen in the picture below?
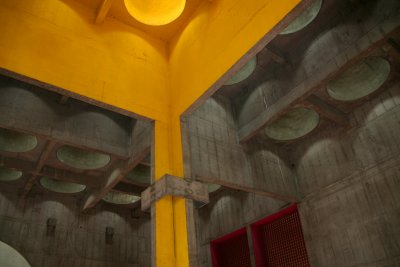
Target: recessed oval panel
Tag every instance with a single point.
(10, 257)
(360, 80)
(82, 159)
(140, 174)
(305, 18)
(120, 198)
(294, 124)
(155, 12)
(16, 142)
(244, 72)
(8, 175)
(61, 187)
(213, 187)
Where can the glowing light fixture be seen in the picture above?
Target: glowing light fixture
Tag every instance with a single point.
(155, 12)
(305, 18)
(360, 80)
(82, 159)
(9, 174)
(61, 187)
(120, 198)
(10, 257)
(294, 124)
(16, 142)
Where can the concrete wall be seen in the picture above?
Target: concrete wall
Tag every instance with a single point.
(351, 209)
(216, 154)
(79, 238)
(313, 58)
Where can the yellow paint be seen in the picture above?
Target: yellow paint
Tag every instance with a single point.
(57, 42)
(155, 12)
(218, 35)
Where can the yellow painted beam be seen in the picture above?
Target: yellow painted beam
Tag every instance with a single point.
(103, 10)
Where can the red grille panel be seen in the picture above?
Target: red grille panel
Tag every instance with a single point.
(231, 250)
(278, 240)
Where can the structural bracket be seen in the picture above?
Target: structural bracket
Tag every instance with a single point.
(170, 185)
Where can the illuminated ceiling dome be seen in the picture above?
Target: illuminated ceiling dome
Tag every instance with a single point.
(82, 159)
(155, 12)
(305, 18)
(61, 187)
(120, 198)
(16, 142)
(9, 174)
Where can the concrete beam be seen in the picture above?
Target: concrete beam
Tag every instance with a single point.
(39, 165)
(141, 146)
(319, 78)
(327, 111)
(170, 185)
(103, 10)
(248, 189)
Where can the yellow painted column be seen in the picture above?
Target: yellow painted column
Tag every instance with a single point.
(170, 220)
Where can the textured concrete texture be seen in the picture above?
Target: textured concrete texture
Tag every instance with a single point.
(360, 80)
(79, 239)
(305, 18)
(294, 124)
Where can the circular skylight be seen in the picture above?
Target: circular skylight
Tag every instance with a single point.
(155, 12)
(9, 174)
(244, 72)
(360, 80)
(12, 141)
(294, 124)
(305, 18)
(61, 187)
(10, 257)
(120, 198)
(213, 187)
(82, 159)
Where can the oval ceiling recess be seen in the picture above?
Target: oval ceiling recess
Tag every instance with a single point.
(61, 187)
(8, 175)
(294, 124)
(360, 80)
(244, 72)
(10, 257)
(305, 18)
(82, 159)
(120, 198)
(16, 142)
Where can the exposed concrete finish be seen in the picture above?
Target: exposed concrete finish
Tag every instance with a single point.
(40, 112)
(360, 80)
(294, 124)
(79, 238)
(81, 159)
(16, 142)
(61, 187)
(351, 33)
(244, 72)
(7, 175)
(120, 198)
(228, 211)
(305, 18)
(9, 257)
(217, 157)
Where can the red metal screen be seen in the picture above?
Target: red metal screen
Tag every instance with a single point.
(231, 250)
(278, 240)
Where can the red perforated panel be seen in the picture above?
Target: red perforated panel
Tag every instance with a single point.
(284, 243)
(278, 240)
(231, 250)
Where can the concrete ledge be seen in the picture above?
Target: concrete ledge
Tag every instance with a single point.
(170, 185)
